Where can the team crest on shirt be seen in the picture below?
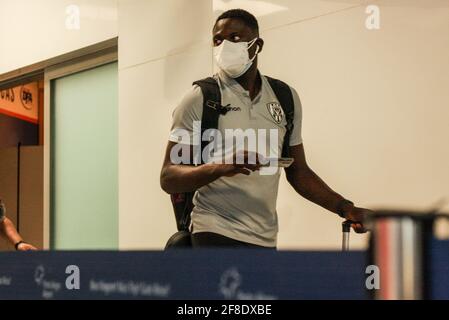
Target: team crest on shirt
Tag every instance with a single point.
(276, 112)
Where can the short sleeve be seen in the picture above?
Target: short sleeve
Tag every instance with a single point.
(187, 117)
(296, 136)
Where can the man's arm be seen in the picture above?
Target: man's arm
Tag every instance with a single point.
(177, 178)
(309, 185)
(7, 228)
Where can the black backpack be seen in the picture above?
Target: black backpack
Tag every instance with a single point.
(212, 110)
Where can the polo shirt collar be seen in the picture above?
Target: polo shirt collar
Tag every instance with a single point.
(234, 85)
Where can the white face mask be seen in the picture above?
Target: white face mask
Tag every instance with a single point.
(233, 57)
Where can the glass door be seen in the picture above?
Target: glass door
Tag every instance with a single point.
(84, 156)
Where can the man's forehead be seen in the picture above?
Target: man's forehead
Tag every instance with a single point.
(230, 25)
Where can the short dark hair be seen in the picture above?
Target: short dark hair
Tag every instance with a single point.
(249, 19)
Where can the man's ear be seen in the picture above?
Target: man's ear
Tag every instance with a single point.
(260, 43)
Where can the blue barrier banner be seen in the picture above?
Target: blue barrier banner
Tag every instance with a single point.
(439, 270)
(184, 275)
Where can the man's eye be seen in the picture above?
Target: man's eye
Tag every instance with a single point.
(217, 42)
(236, 38)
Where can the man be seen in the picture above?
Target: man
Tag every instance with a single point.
(235, 204)
(8, 230)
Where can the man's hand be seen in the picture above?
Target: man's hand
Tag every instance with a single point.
(358, 215)
(242, 163)
(230, 170)
(26, 247)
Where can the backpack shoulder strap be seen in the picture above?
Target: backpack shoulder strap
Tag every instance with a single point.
(183, 202)
(284, 95)
(211, 105)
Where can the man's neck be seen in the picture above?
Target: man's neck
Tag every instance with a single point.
(251, 81)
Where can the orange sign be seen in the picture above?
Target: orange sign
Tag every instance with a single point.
(21, 102)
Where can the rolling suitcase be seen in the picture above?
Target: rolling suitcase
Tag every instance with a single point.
(346, 229)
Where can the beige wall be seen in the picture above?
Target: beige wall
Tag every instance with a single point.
(163, 47)
(35, 30)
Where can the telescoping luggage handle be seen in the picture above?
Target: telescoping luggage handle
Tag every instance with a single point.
(346, 228)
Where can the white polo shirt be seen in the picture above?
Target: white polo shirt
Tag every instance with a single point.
(240, 207)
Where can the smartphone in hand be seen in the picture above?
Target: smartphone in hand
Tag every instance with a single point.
(279, 162)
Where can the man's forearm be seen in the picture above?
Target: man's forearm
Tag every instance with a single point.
(183, 178)
(309, 185)
(10, 231)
